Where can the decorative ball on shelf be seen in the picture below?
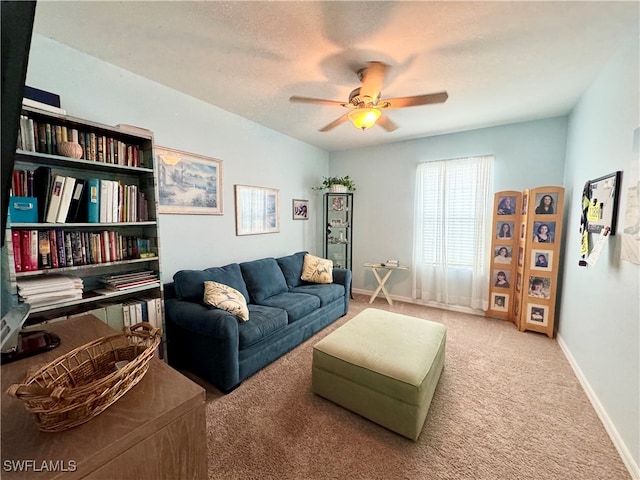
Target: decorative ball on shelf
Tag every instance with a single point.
(70, 149)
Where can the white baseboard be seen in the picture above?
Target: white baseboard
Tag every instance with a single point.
(624, 452)
(413, 301)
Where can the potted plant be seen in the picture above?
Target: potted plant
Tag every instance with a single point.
(337, 184)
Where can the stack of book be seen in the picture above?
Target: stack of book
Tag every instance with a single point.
(49, 290)
(49, 249)
(64, 199)
(41, 136)
(126, 281)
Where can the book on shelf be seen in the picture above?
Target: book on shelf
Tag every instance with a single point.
(103, 200)
(129, 280)
(60, 244)
(42, 184)
(27, 102)
(56, 197)
(65, 199)
(78, 203)
(43, 136)
(17, 253)
(44, 250)
(93, 201)
(53, 248)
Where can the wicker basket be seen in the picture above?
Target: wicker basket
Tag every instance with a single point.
(81, 384)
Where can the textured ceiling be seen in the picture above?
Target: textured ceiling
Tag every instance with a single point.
(500, 62)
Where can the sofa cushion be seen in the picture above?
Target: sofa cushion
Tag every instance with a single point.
(291, 267)
(226, 298)
(189, 284)
(263, 279)
(316, 269)
(297, 305)
(262, 322)
(327, 293)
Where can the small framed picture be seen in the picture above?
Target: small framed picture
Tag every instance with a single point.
(539, 287)
(300, 209)
(541, 259)
(337, 204)
(502, 254)
(546, 203)
(501, 278)
(523, 230)
(519, 282)
(504, 230)
(520, 256)
(537, 314)
(500, 302)
(525, 199)
(506, 205)
(516, 306)
(544, 232)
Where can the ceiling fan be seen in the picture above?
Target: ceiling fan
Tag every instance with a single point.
(365, 103)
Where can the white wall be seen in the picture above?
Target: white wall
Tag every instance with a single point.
(252, 155)
(528, 154)
(599, 311)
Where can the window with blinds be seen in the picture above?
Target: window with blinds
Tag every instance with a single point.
(449, 201)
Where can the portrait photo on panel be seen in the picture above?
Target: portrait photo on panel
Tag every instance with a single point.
(504, 230)
(543, 232)
(539, 287)
(546, 203)
(537, 314)
(502, 254)
(506, 205)
(500, 302)
(501, 278)
(541, 259)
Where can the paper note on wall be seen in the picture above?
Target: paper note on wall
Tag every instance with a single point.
(593, 257)
(594, 212)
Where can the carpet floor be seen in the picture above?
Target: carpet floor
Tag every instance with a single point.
(508, 406)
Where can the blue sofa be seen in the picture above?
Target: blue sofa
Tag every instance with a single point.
(283, 312)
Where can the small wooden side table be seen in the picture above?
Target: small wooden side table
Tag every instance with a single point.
(157, 430)
(375, 268)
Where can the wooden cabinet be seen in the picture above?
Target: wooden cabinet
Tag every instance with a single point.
(338, 219)
(530, 298)
(119, 177)
(157, 430)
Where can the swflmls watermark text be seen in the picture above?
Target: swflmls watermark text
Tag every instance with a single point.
(30, 465)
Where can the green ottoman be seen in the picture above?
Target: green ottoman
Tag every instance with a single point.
(383, 366)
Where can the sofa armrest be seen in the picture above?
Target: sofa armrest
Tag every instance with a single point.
(342, 276)
(204, 341)
(201, 319)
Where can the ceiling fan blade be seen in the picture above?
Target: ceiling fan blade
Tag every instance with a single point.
(428, 99)
(317, 101)
(335, 123)
(372, 79)
(386, 123)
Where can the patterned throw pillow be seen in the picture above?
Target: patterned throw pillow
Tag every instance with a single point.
(226, 298)
(317, 270)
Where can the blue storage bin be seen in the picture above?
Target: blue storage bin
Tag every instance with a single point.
(23, 209)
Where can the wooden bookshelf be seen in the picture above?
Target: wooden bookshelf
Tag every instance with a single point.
(135, 169)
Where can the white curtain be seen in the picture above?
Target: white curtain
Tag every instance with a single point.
(452, 228)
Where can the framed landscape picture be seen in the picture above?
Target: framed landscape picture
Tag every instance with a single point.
(188, 183)
(257, 210)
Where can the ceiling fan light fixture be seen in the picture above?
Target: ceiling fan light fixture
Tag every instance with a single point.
(364, 118)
